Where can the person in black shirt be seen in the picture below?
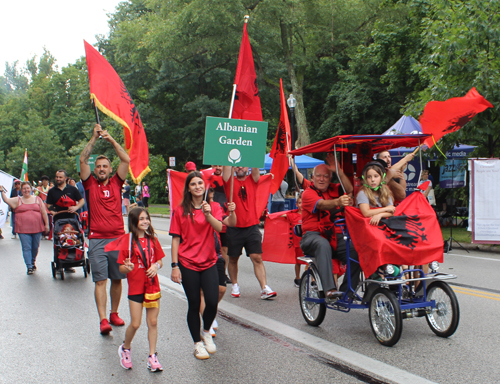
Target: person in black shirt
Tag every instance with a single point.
(58, 198)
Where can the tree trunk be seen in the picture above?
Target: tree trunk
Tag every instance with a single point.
(300, 114)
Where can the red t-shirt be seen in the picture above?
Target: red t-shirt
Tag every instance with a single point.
(313, 219)
(245, 198)
(136, 278)
(306, 183)
(105, 207)
(197, 247)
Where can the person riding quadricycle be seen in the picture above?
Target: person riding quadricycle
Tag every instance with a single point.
(394, 246)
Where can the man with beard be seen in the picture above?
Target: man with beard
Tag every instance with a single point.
(395, 178)
(246, 233)
(63, 192)
(105, 223)
(56, 198)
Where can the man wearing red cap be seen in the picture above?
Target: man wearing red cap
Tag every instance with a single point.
(190, 166)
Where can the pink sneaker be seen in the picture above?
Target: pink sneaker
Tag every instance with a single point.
(153, 363)
(115, 319)
(125, 358)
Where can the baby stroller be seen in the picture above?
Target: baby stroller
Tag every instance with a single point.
(69, 246)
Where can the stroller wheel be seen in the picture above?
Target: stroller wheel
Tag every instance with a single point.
(54, 270)
(85, 262)
(62, 273)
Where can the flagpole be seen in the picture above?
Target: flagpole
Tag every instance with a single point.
(96, 116)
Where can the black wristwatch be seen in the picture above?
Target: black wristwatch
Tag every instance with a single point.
(174, 265)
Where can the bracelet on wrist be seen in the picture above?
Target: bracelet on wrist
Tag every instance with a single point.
(158, 265)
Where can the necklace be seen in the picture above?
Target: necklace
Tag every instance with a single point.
(195, 207)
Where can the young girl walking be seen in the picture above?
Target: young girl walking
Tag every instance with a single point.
(194, 258)
(375, 199)
(141, 266)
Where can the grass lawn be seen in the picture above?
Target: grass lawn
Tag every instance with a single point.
(459, 234)
(163, 209)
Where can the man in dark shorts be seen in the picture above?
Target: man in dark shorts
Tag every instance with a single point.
(64, 200)
(105, 223)
(246, 234)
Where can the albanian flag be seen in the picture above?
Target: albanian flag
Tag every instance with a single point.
(246, 102)
(110, 95)
(443, 117)
(281, 146)
(411, 237)
(278, 245)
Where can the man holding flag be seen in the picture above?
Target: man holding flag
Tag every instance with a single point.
(105, 223)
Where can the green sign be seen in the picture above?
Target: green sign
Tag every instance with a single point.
(91, 162)
(234, 142)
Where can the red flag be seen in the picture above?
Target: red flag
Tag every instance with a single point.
(281, 146)
(411, 237)
(424, 185)
(110, 95)
(246, 102)
(66, 201)
(443, 117)
(278, 245)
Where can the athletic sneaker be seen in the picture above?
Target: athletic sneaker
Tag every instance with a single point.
(215, 324)
(235, 290)
(115, 319)
(267, 293)
(125, 358)
(153, 363)
(200, 351)
(30, 271)
(209, 342)
(296, 282)
(212, 332)
(105, 327)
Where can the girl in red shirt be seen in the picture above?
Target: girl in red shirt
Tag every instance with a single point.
(141, 268)
(194, 257)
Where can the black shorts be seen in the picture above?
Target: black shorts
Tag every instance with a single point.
(223, 239)
(249, 238)
(221, 270)
(137, 298)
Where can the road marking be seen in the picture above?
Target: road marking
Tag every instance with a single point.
(471, 292)
(473, 257)
(361, 362)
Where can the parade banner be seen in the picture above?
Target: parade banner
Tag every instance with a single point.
(452, 174)
(235, 142)
(6, 181)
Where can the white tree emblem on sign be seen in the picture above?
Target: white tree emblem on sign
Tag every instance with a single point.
(234, 156)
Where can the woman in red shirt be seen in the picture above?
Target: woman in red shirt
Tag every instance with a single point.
(194, 257)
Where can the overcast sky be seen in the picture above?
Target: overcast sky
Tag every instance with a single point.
(27, 26)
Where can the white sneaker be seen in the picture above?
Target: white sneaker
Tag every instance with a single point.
(200, 351)
(212, 332)
(267, 293)
(208, 341)
(235, 290)
(215, 324)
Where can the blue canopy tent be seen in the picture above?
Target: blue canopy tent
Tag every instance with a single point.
(302, 162)
(406, 125)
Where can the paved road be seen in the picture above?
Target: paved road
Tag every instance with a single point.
(49, 332)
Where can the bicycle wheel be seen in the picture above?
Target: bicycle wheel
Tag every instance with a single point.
(385, 317)
(314, 313)
(444, 318)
